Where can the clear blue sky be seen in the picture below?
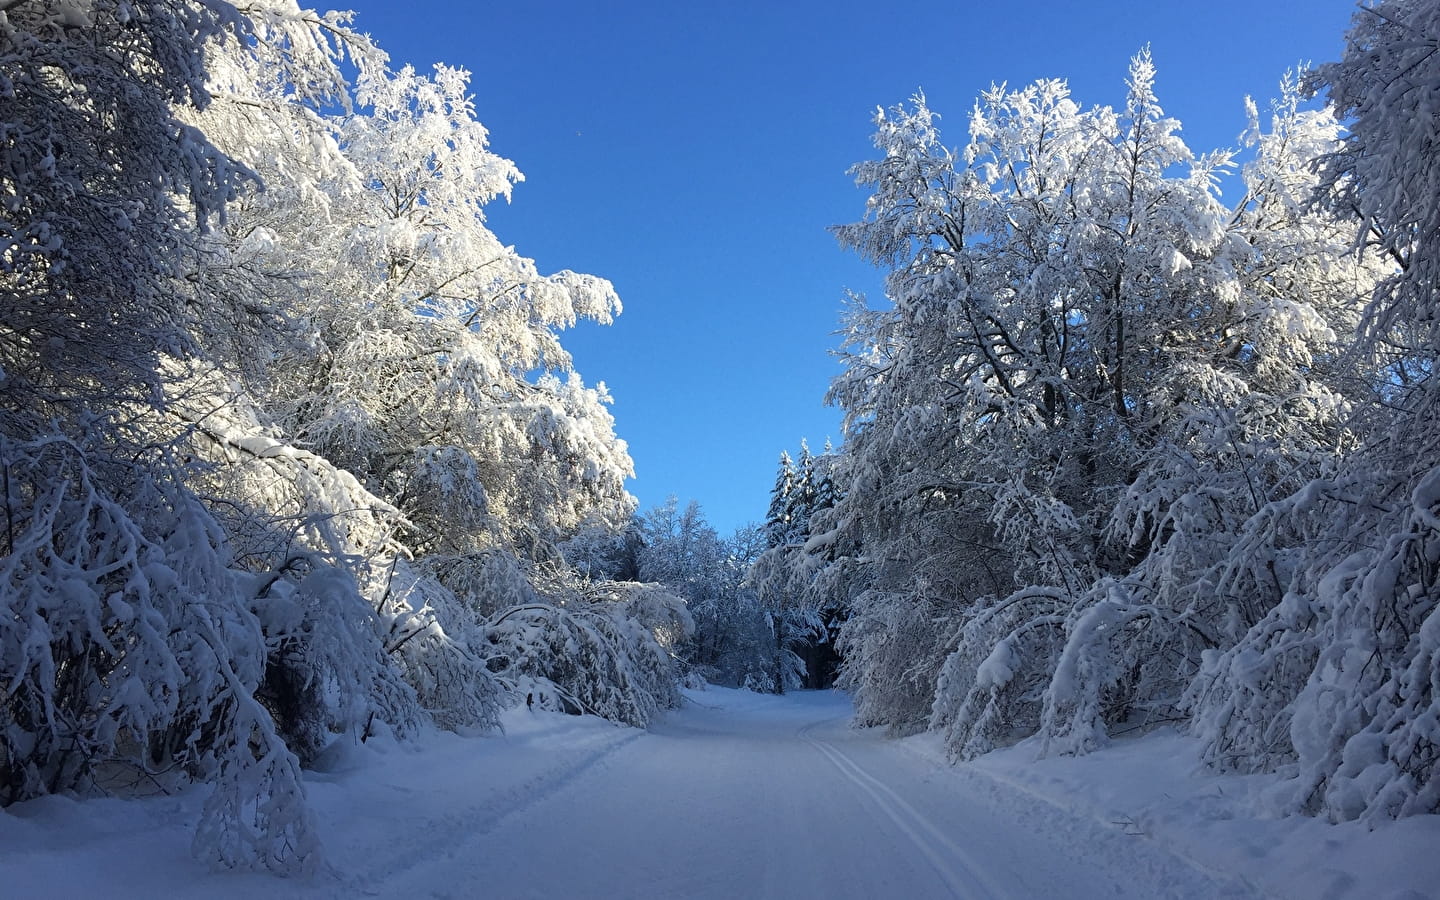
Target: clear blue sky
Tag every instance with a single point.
(695, 152)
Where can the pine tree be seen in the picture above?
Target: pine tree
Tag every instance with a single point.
(777, 519)
(801, 502)
(825, 492)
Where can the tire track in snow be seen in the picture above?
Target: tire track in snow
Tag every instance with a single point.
(943, 854)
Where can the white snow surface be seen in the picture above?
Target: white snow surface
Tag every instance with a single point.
(741, 795)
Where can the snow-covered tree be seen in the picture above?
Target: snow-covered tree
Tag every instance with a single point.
(734, 636)
(420, 380)
(777, 516)
(1335, 686)
(282, 423)
(1094, 372)
(415, 337)
(131, 638)
(606, 649)
(107, 192)
(782, 576)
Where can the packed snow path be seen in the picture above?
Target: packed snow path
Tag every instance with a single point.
(740, 795)
(736, 795)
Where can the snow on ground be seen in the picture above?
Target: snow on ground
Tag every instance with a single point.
(747, 795)
(1155, 789)
(383, 809)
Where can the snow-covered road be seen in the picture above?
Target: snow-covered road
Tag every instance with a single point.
(736, 795)
(741, 795)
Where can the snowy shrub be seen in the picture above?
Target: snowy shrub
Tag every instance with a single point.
(651, 607)
(987, 693)
(1122, 661)
(1067, 669)
(892, 645)
(355, 641)
(126, 638)
(1242, 694)
(328, 668)
(1337, 685)
(653, 625)
(436, 641)
(98, 639)
(592, 655)
(256, 815)
(313, 537)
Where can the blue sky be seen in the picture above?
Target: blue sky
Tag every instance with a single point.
(695, 153)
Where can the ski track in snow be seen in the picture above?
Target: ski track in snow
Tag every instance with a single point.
(1025, 804)
(931, 841)
(442, 838)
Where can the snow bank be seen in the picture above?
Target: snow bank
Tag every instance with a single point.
(1156, 789)
(404, 799)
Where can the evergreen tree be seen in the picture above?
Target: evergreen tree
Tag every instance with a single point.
(777, 519)
(825, 492)
(801, 502)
